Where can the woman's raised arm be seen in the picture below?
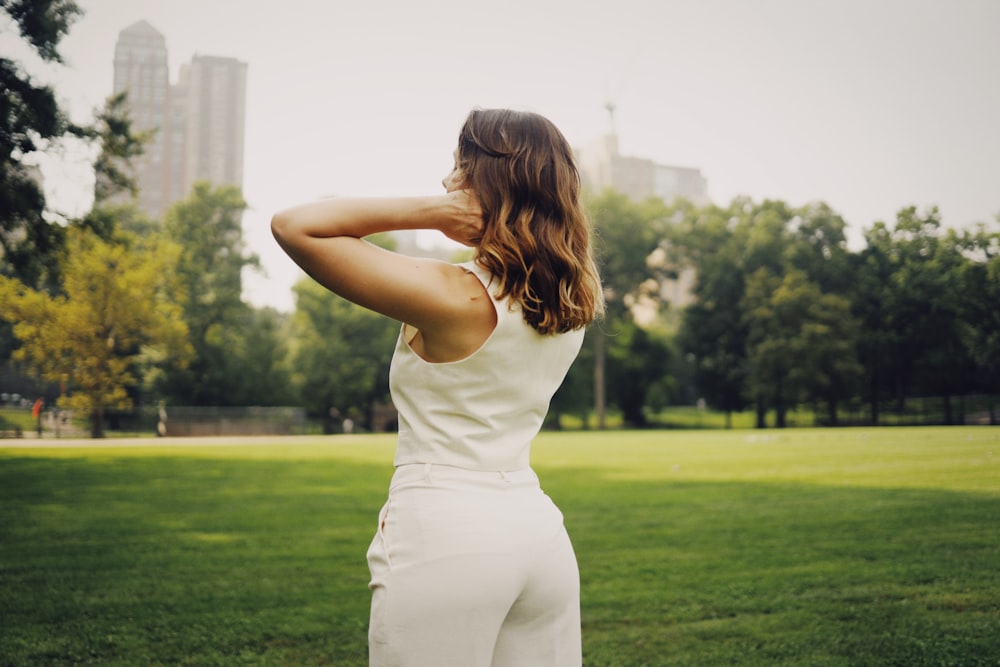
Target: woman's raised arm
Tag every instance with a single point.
(325, 238)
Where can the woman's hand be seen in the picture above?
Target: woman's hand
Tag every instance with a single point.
(463, 217)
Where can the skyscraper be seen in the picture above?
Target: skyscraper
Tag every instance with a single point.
(199, 122)
(141, 69)
(214, 104)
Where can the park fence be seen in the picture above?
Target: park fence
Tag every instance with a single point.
(180, 421)
(973, 409)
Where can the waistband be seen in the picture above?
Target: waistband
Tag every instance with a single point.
(435, 473)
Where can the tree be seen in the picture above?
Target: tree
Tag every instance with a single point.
(757, 329)
(575, 395)
(817, 246)
(111, 129)
(30, 120)
(113, 319)
(945, 365)
(207, 226)
(340, 355)
(713, 331)
(801, 342)
(626, 236)
(118, 144)
(257, 364)
(908, 299)
(639, 360)
(980, 330)
(871, 300)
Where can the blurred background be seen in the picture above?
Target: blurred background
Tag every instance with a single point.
(796, 202)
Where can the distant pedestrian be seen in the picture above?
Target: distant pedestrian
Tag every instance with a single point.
(471, 565)
(36, 413)
(161, 424)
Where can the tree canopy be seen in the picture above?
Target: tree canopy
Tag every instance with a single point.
(114, 319)
(30, 120)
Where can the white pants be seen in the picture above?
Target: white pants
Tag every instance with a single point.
(472, 569)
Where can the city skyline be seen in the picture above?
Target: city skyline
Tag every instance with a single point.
(869, 107)
(196, 123)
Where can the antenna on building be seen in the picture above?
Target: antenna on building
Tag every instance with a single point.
(610, 106)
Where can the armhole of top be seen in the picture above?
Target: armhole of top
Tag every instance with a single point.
(408, 332)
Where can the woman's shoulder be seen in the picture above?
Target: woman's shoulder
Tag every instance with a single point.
(485, 276)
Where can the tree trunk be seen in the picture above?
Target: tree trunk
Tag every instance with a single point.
(761, 414)
(874, 397)
(599, 383)
(780, 410)
(97, 423)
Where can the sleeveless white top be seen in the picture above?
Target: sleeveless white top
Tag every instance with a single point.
(482, 412)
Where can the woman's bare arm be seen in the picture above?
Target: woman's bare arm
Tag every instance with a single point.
(325, 238)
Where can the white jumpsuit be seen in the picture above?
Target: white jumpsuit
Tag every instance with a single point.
(471, 565)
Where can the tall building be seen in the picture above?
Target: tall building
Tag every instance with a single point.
(602, 165)
(213, 92)
(198, 123)
(141, 69)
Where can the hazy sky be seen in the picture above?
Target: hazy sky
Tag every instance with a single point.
(869, 105)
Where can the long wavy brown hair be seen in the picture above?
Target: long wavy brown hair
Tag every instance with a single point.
(536, 238)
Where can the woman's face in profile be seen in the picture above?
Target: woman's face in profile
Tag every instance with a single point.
(455, 180)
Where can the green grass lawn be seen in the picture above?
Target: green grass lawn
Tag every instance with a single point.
(12, 418)
(802, 547)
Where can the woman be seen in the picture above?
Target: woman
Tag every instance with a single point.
(471, 565)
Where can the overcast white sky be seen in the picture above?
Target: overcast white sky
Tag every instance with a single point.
(869, 105)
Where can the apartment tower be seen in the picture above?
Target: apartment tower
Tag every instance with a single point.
(141, 69)
(199, 122)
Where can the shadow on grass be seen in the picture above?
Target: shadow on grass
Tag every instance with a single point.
(173, 561)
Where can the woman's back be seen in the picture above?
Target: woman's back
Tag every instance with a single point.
(480, 412)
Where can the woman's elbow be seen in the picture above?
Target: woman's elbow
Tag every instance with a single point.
(282, 224)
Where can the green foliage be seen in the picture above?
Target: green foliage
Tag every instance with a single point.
(208, 225)
(713, 330)
(705, 549)
(638, 360)
(801, 341)
(261, 369)
(113, 319)
(42, 23)
(575, 395)
(208, 228)
(784, 314)
(909, 301)
(341, 354)
(30, 119)
(771, 321)
(980, 290)
(119, 144)
(627, 236)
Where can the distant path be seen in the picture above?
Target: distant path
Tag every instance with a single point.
(215, 441)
